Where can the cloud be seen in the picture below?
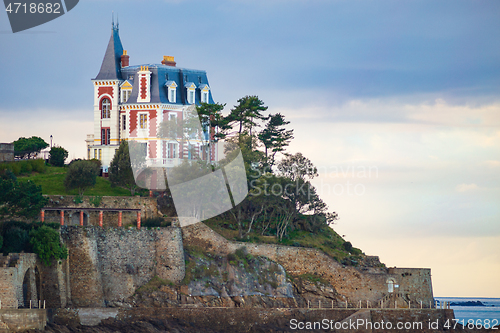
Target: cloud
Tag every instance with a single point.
(466, 187)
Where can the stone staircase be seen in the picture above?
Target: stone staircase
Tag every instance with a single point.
(394, 300)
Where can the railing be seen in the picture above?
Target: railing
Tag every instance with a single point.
(163, 162)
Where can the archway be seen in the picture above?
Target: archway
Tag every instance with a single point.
(27, 292)
(390, 285)
(38, 283)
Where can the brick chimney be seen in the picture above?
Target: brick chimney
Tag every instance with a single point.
(168, 60)
(125, 59)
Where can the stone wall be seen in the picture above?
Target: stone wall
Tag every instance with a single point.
(15, 269)
(147, 206)
(351, 283)
(263, 320)
(6, 152)
(20, 320)
(107, 265)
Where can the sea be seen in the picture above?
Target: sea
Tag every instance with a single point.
(491, 311)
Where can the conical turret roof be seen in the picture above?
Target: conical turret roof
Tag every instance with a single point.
(111, 64)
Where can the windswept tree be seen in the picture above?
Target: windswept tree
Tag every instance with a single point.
(29, 147)
(297, 166)
(244, 115)
(275, 137)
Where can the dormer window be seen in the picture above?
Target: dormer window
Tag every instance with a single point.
(190, 92)
(171, 91)
(125, 95)
(105, 108)
(204, 89)
(125, 91)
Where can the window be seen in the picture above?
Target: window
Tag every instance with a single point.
(105, 136)
(204, 96)
(190, 96)
(125, 95)
(124, 122)
(95, 153)
(172, 150)
(100, 154)
(105, 108)
(143, 121)
(171, 95)
(88, 153)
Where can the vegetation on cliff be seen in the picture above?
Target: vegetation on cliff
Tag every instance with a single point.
(42, 239)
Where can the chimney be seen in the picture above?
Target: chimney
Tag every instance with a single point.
(125, 59)
(168, 60)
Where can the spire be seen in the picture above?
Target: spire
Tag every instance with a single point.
(111, 67)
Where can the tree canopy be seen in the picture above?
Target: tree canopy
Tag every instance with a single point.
(120, 170)
(281, 197)
(22, 199)
(29, 147)
(57, 156)
(81, 175)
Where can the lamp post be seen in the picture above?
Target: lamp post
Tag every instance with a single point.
(51, 141)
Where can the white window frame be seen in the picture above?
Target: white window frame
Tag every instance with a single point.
(191, 96)
(146, 127)
(125, 95)
(172, 92)
(204, 96)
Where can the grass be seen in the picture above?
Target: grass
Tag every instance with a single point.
(154, 284)
(52, 182)
(326, 240)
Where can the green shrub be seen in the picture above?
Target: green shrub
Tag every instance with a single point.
(46, 243)
(15, 168)
(155, 222)
(347, 246)
(38, 165)
(95, 201)
(26, 167)
(16, 240)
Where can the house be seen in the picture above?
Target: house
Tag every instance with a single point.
(132, 102)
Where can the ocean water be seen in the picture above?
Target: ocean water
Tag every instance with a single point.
(491, 311)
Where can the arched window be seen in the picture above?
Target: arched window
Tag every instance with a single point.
(105, 108)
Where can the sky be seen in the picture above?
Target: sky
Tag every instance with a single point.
(396, 102)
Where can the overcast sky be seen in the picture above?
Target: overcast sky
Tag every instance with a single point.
(396, 102)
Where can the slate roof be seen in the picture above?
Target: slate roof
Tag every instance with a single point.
(160, 75)
(111, 64)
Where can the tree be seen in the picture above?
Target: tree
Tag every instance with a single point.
(47, 244)
(297, 167)
(81, 175)
(244, 114)
(20, 198)
(120, 170)
(57, 156)
(213, 123)
(29, 147)
(274, 136)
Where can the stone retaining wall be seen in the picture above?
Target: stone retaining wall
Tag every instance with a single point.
(254, 319)
(108, 265)
(354, 284)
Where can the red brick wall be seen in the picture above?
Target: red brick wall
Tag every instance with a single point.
(105, 90)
